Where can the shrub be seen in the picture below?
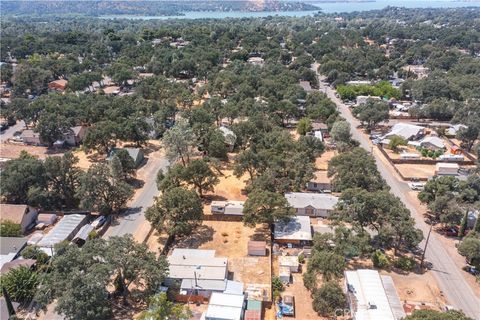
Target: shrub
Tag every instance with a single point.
(10, 229)
(380, 260)
(92, 235)
(277, 284)
(20, 283)
(34, 252)
(301, 258)
(310, 280)
(405, 263)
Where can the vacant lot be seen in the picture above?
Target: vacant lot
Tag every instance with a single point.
(12, 151)
(321, 163)
(416, 170)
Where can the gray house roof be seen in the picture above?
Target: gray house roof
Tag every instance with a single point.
(404, 130)
(297, 228)
(185, 266)
(316, 200)
(63, 230)
(11, 245)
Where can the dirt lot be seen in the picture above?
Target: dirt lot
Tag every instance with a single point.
(12, 151)
(417, 288)
(416, 170)
(321, 163)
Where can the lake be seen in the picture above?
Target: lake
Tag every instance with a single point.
(330, 7)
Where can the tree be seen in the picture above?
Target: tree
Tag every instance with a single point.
(355, 168)
(34, 252)
(20, 283)
(159, 308)
(329, 264)
(19, 176)
(265, 207)
(437, 315)
(179, 141)
(470, 248)
(341, 135)
(199, 174)
(127, 164)
(328, 298)
(470, 134)
(304, 125)
(52, 127)
(395, 142)
(101, 136)
(372, 113)
(80, 278)
(10, 229)
(177, 211)
(100, 191)
(216, 145)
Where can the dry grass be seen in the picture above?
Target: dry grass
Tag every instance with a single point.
(416, 170)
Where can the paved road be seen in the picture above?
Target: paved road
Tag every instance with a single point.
(8, 134)
(448, 275)
(134, 217)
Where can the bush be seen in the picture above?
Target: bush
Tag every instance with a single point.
(92, 235)
(10, 229)
(277, 284)
(301, 258)
(328, 298)
(310, 280)
(20, 283)
(405, 263)
(380, 260)
(34, 252)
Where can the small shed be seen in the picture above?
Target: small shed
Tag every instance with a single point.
(254, 305)
(290, 262)
(46, 219)
(284, 274)
(257, 248)
(252, 315)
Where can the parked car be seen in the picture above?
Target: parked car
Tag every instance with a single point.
(417, 186)
(99, 222)
(449, 231)
(472, 270)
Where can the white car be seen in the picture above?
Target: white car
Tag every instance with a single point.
(97, 223)
(417, 186)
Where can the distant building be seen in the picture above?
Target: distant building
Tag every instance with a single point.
(256, 61)
(311, 204)
(59, 85)
(230, 207)
(29, 137)
(135, 153)
(453, 130)
(446, 169)
(230, 137)
(406, 131)
(75, 135)
(430, 143)
(364, 99)
(321, 182)
(358, 82)
(296, 230)
(372, 296)
(111, 90)
(21, 214)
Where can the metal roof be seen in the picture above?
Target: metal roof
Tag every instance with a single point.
(62, 230)
(200, 264)
(11, 245)
(316, 200)
(179, 252)
(203, 284)
(296, 228)
(225, 306)
(370, 301)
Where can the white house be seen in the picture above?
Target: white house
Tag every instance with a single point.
(296, 230)
(312, 204)
(406, 131)
(224, 306)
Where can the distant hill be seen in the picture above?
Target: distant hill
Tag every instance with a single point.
(133, 7)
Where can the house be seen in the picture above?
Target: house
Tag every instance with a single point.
(29, 137)
(257, 248)
(284, 274)
(430, 143)
(306, 86)
(198, 271)
(230, 137)
(59, 85)
(321, 182)
(224, 306)
(135, 153)
(446, 169)
(311, 204)
(111, 90)
(364, 99)
(10, 248)
(20, 214)
(75, 135)
(65, 229)
(290, 262)
(231, 207)
(296, 230)
(372, 296)
(453, 130)
(256, 61)
(322, 127)
(406, 131)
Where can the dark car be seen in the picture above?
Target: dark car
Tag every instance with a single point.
(449, 231)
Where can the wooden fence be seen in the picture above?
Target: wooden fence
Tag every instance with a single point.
(222, 217)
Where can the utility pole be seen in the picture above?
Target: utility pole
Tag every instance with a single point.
(425, 248)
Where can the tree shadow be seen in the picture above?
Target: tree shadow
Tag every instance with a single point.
(125, 215)
(213, 197)
(199, 236)
(135, 183)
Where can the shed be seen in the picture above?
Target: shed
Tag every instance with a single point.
(290, 262)
(135, 153)
(30, 137)
(284, 274)
(254, 305)
(231, 207)
(472, 218)
(224, 306)
(20, 214)
(257, 248)
(252, 315)
(46, 219)
(446, 169)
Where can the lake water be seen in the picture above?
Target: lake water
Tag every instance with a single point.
(325, 7)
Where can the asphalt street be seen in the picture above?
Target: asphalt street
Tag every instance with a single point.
(448, 275)
(132, 218)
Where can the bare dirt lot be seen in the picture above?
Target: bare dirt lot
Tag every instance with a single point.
(416, 170)
(321, 163)
(12, 151)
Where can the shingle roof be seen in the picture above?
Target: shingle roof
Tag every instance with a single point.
(11, 245)
(12, 212)
(316, 200)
